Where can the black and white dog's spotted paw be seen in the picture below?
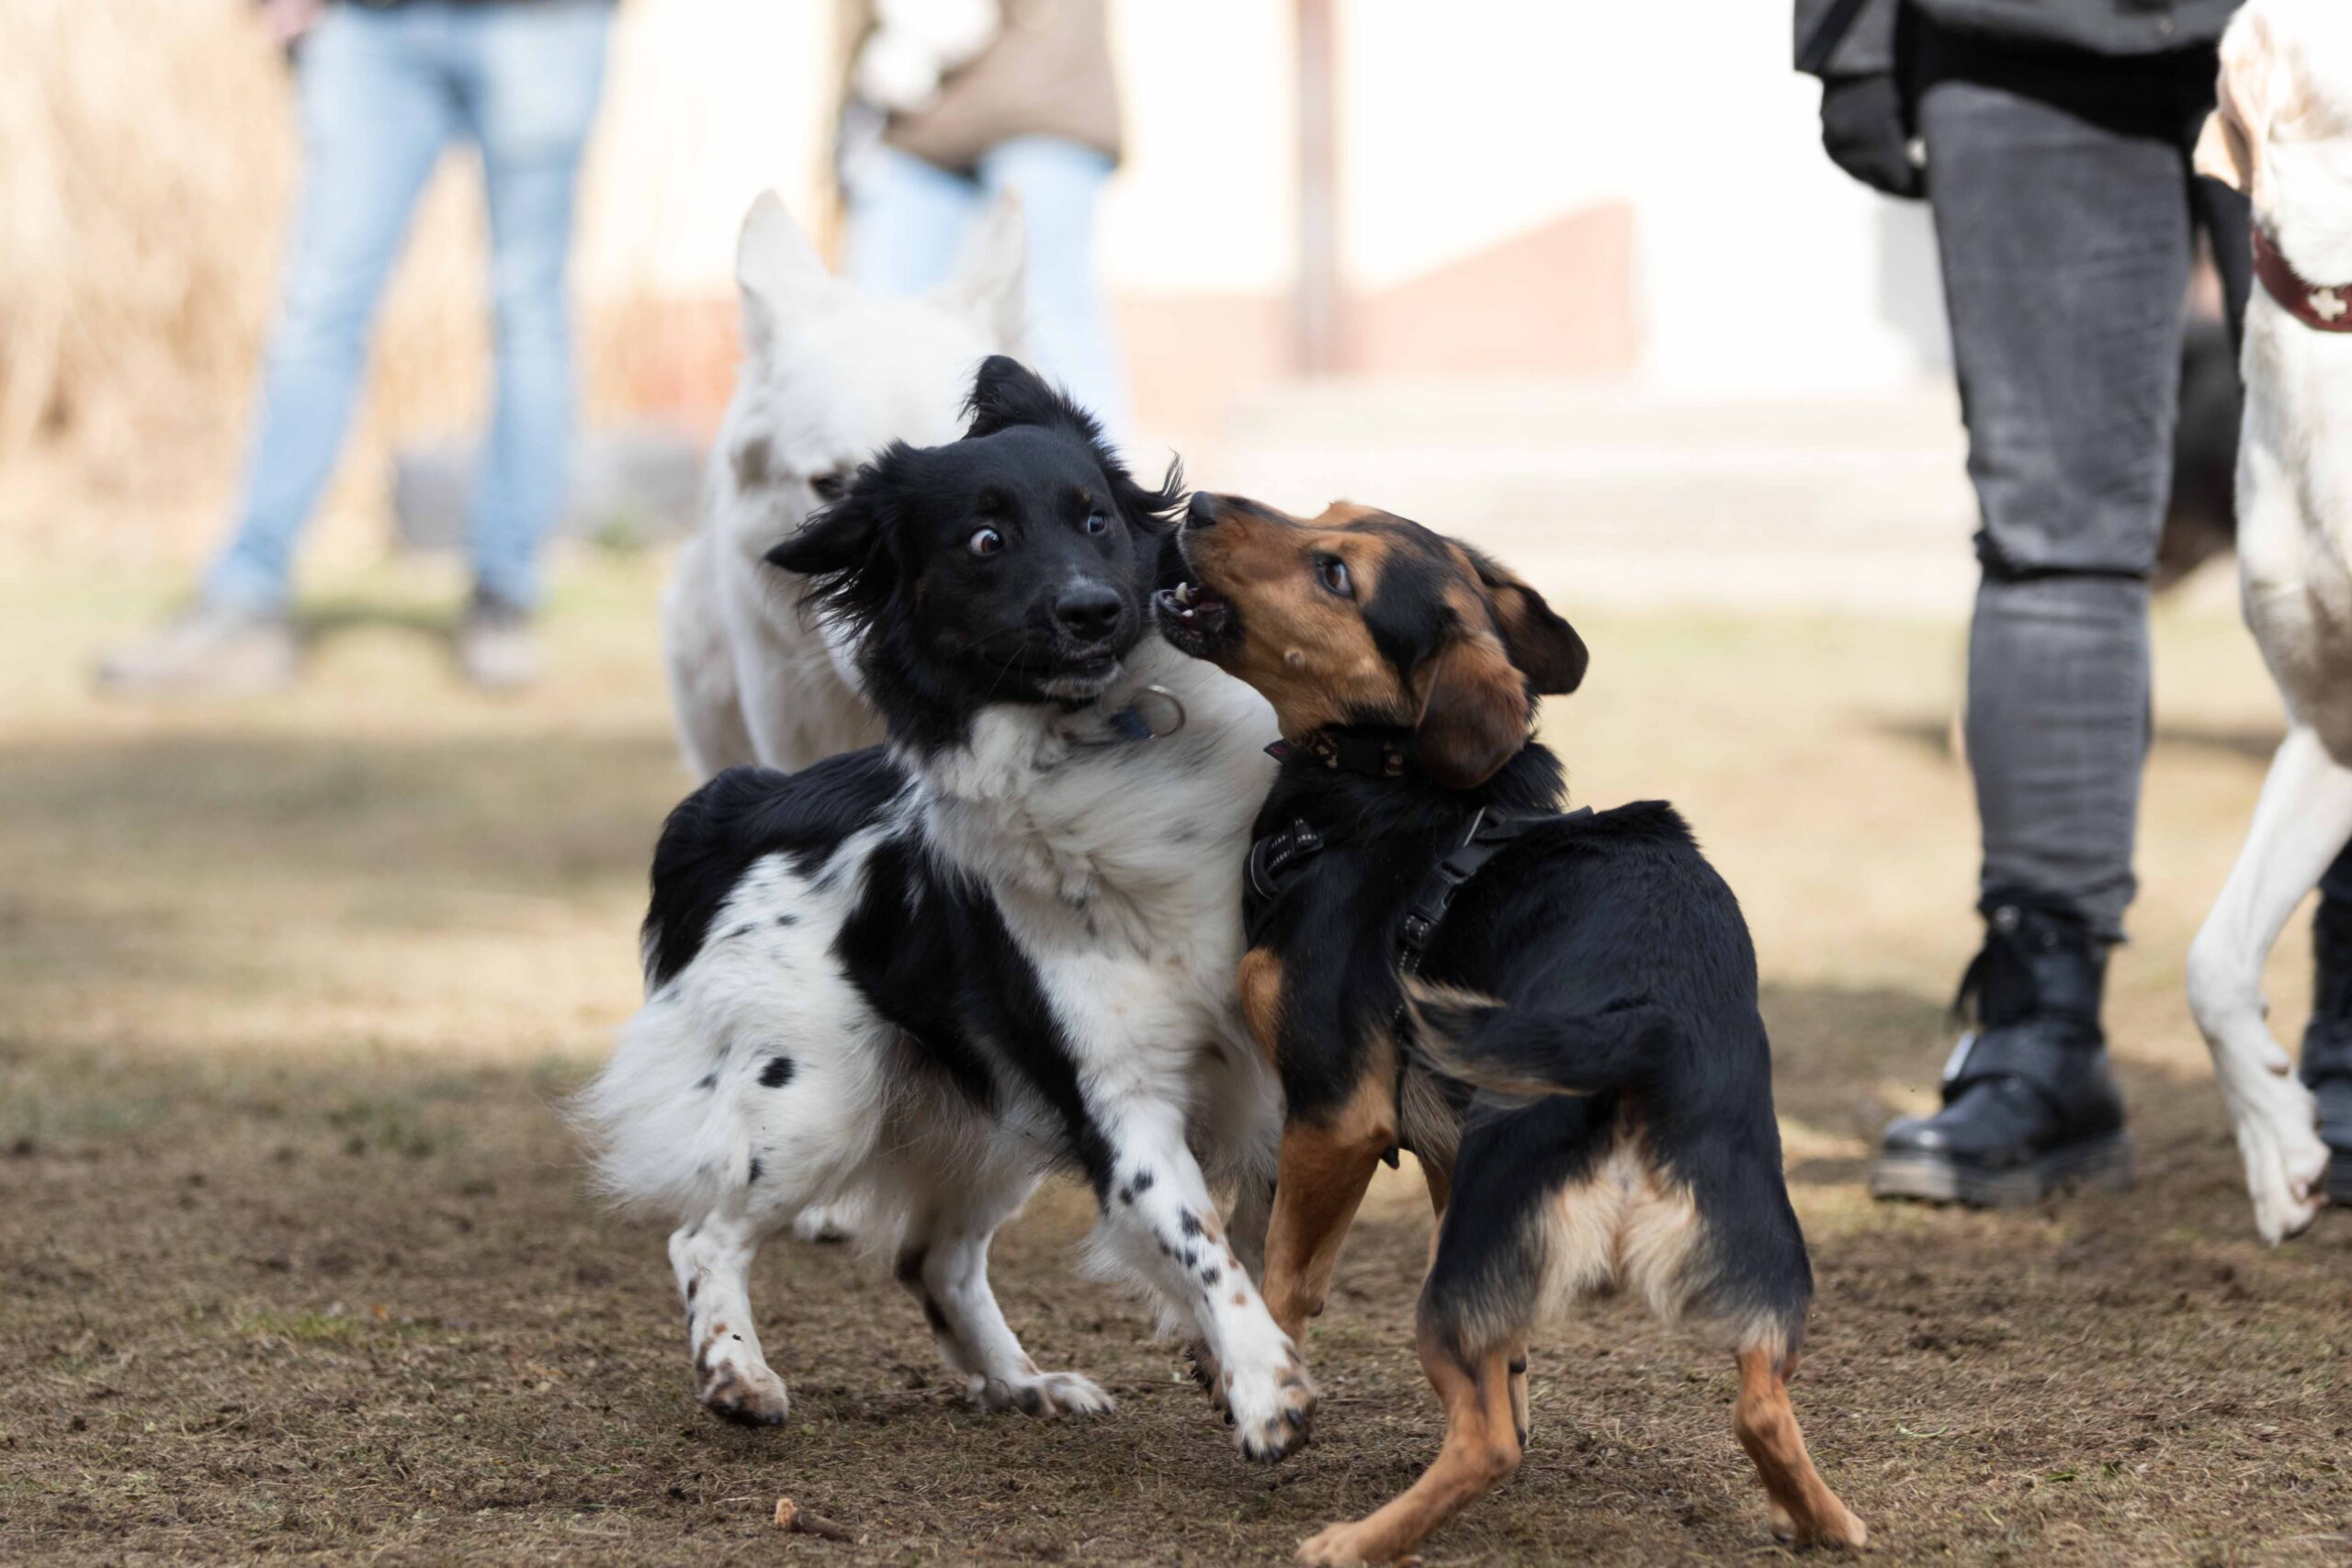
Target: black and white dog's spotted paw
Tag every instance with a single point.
(749, 1395)
(1272, 1416)
(1041, 1393)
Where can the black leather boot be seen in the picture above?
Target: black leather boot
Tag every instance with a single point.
(2328, 1043)
(2029, 1105)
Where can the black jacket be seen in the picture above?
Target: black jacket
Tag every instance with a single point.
(1855, 37)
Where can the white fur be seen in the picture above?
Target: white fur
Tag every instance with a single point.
(2287, 96)
(830, 377)
(1115, 865)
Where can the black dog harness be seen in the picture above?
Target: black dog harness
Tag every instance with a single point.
(1281, 860)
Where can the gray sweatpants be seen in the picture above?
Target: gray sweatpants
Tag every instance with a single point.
(2066, 213)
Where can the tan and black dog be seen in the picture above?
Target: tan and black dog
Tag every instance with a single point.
(1577, 1062)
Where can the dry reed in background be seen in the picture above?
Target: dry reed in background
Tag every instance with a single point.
(149, 156)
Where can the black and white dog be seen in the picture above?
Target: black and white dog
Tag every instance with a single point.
(916, 977)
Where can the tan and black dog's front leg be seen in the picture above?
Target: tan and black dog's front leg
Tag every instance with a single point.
(1324, 1172)
(1326, 1166)
(1327, 1160)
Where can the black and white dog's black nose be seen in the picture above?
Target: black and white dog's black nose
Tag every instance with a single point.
(1089, 614)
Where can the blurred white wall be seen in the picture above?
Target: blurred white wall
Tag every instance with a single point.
(708, 103)
(1758, 267)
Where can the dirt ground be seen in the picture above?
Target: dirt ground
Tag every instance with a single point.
(296, 1259)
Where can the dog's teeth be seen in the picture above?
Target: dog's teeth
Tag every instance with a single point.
(1183, 593)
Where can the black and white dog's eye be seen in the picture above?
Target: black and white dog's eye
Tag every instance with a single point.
(1332, 573)
(985, 542)
(1096, 523)
(831, 485)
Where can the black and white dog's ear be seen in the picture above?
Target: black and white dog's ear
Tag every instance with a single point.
(1008, 393)
(843, 550)
(839, 538)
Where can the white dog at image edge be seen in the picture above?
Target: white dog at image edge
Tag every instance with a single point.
(2283, 135)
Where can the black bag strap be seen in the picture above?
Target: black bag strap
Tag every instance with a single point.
(1814, 58)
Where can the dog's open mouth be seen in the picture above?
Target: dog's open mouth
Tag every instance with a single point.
(1081, 680)
(1194, 618)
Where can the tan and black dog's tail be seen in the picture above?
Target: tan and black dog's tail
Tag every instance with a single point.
(1502, 1049)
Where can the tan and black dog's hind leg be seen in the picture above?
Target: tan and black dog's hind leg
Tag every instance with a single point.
(1481, 1453)
(1441, 1188)
(1804, 1511)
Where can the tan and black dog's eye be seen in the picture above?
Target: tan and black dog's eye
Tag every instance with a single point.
(1332, 573)
(985, 542)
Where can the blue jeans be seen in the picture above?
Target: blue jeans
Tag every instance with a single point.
(383, 92)
(909, 221)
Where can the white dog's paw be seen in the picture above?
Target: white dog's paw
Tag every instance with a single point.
(1272, 1408)
(2277, 1123)
(739, 1388)
(1041, 1393)
(823, 1222)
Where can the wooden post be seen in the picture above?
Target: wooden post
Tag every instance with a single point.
(1317, 303)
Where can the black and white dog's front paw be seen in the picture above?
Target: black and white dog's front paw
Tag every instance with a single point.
(1271, 1408)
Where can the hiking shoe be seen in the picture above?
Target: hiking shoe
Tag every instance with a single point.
(2327, 1041)
(2030, 1103)
(208, 650)
(495, 646)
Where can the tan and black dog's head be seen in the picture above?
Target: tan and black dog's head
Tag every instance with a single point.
(1359, 617)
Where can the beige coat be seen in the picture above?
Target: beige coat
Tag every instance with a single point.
(1046, 74)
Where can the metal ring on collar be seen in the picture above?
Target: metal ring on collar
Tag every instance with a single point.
(1169, 707)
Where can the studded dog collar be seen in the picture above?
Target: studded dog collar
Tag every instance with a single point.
(1374, 753)
(2324, 308)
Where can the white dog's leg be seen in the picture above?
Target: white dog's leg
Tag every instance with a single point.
(2303, 819)
(1159, 1217)
(825, 1223)
(705, 698)
(713, 1261)
(943, 1264)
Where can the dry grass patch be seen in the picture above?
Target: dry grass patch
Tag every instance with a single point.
(301, 1264)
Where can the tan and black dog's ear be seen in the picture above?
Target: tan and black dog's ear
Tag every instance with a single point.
(1475, 711)
(2247, 101)
(1540, 642)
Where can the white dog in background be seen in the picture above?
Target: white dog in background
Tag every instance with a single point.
(830, 377)
(2283, 135)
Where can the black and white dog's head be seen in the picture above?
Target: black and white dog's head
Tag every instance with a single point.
(1010, 567)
